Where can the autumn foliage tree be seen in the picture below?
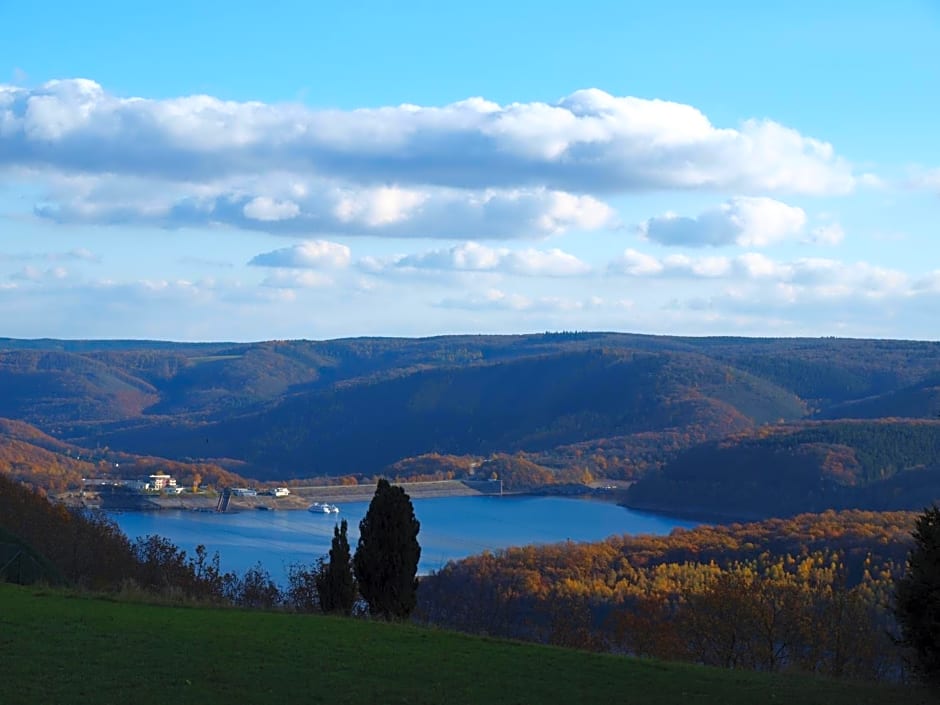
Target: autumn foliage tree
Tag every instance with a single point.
(804, 593)
(386, 560)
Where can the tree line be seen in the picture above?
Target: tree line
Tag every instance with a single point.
(811, 593)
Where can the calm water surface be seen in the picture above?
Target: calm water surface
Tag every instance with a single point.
(451, 527)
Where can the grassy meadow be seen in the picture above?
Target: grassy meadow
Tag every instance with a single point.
(56, 648)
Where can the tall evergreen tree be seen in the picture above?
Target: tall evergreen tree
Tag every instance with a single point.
(917, 596)
(387, 555)
(335, 583)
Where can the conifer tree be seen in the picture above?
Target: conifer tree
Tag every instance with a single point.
(335, 582)
(387, 555)
(917, 596)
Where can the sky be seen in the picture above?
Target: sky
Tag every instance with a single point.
(207, 171)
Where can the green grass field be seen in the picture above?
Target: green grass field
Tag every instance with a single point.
(56, 649)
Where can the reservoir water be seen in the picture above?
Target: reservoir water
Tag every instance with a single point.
(451, 528)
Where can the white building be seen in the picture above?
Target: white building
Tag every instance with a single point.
(159, 480)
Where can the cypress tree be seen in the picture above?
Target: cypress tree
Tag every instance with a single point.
(386, 560)
(917, 596)
(335, 583)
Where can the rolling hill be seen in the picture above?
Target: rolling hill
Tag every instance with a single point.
(533, 403)
(612, 403)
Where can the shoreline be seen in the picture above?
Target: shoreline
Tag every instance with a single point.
(301, 498)
(703, 515)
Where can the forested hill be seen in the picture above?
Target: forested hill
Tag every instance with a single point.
(884, 465)
(524, 404)
(299, 408)
(31, 456)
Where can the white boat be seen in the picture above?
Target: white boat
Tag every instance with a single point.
(323, 508)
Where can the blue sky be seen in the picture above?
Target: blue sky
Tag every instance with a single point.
(206, 171)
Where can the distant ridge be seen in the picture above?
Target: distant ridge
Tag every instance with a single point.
(611, 404)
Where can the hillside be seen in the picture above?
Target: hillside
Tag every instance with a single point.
(31, 456)
(829, 371)
(60, 649)
(528, 404)
(778, 471)
(613, 405)
(921, 400)
(55, 387)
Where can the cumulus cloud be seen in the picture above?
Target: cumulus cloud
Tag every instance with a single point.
(377, 207)
(826, 277)
(636, 264)
(474, 257)
(393, 160)
(314, 206)
(267, 209)
(587, 141)
(749, 222)
(313, 254)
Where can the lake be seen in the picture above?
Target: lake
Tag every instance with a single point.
(451, 528)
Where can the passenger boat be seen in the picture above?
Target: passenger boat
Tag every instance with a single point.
(323, 508)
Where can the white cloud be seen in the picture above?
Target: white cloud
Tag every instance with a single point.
(315, 206)
(821, 277)
(565, 210)
(378, 207)
(551, 263)
(313, 254)
(377, 169)
(268, 209)
(749, 222)
(707, 267)
(636, 264)
(757, 266)
(474, 257)
(288, 279)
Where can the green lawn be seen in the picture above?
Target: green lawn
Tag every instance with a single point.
(56, 649)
